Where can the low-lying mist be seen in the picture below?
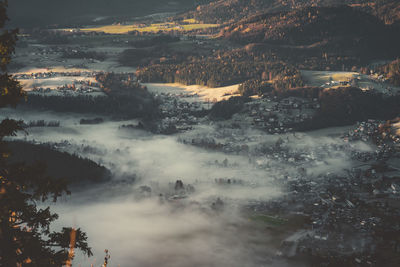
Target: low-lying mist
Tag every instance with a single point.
(142, 218)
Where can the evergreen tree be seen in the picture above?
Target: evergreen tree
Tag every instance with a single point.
(25, 237)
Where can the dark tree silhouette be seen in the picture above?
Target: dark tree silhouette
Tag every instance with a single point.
(25, 237)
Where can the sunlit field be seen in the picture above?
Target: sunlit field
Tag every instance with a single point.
(156, 27)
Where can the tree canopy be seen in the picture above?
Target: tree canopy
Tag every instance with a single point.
(25, 236)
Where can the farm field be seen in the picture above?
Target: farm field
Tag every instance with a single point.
(152, 28)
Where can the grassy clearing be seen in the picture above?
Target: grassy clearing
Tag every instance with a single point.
(156, 27)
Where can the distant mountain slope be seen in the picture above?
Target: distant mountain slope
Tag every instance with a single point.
(26, 13)
(33, 13)
(305, 26)
(387, 10)
(228, 11)
(336, 28)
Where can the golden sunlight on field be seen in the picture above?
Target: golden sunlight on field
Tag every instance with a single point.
(205, 93)
(167, 26)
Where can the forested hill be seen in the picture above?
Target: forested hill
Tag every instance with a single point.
(228, 11)
(333, 28)
(387, 10)
(58, 164)
(305, 26)
(33, 13)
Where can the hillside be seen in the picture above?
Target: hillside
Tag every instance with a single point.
(228, 11)
(342, 29)
(387, 10)
(304, 26)
(28, 13)
(58, 164)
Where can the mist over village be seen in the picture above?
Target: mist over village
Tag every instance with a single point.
(199, 133)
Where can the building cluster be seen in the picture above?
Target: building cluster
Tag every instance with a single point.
(279, 117)
(364, 131)
(378, 77)
(178, 115)
(352, 218)
(384, 135)
(51, 74)
(339, 83)
(68, 90)
(78, 86)
(349, 217)
(230, 141)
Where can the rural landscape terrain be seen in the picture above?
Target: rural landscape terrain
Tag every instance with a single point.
(200, 133)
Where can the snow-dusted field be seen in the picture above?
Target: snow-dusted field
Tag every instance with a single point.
(201, 93)
(333, 79)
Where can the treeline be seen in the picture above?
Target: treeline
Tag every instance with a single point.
(118, 106)
(341, 30)
(222, 70)
(58, 164)
(91, 121)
